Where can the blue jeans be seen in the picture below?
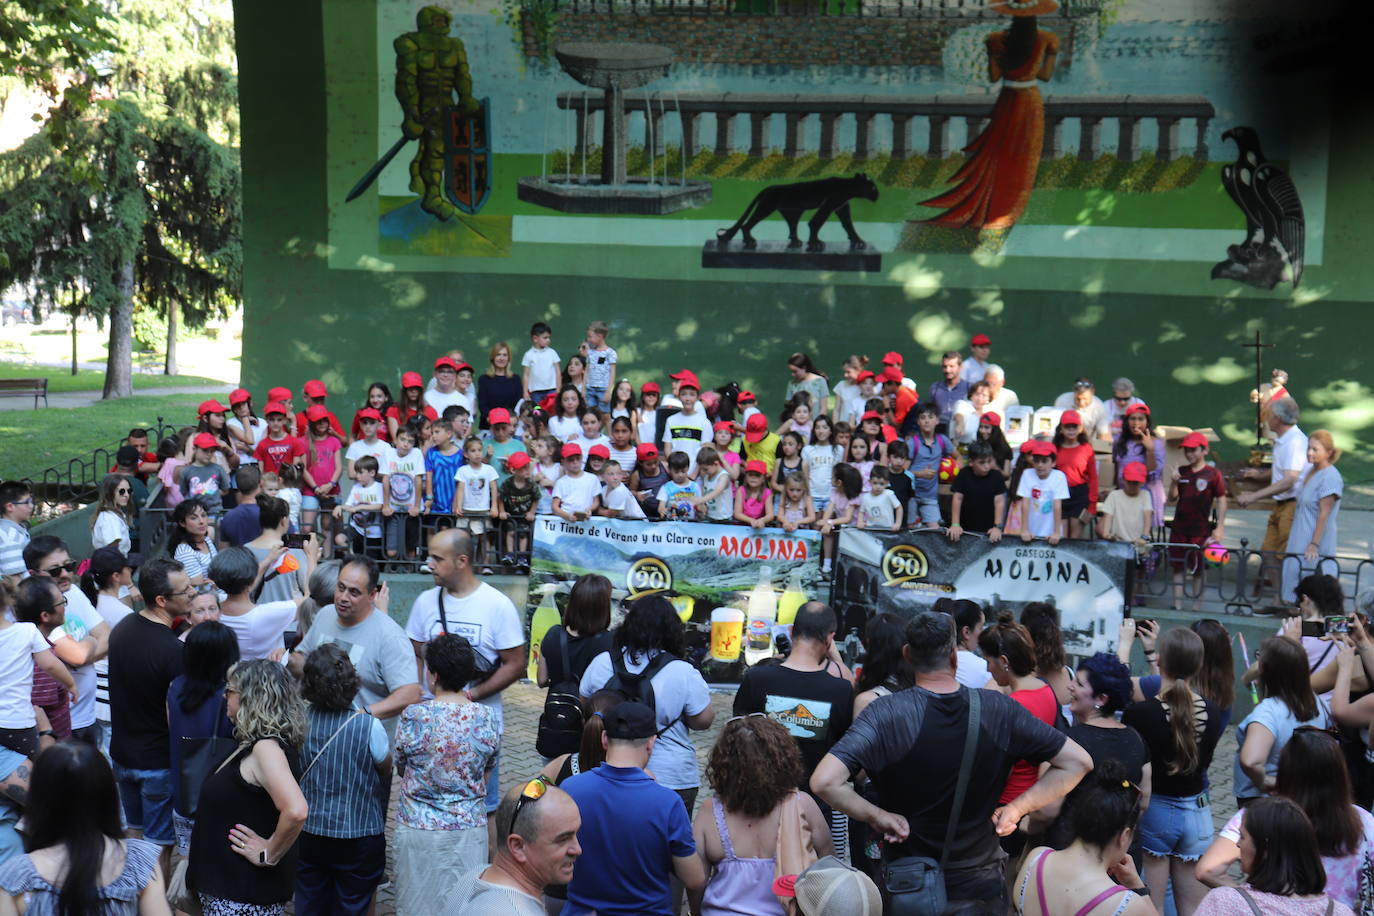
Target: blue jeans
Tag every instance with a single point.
(927, 510)
(147, 799)
(338, 876)
(1178, 827)
(596, 399)
(494, 786)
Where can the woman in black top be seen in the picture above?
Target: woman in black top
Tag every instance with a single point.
(1181, 730)
(243, 847)
(498, 387)
(585, 630)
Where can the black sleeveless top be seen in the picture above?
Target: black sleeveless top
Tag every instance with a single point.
(215, 869)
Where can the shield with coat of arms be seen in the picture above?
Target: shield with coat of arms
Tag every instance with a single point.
(467, 157)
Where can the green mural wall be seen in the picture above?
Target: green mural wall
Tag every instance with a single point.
(321, 303)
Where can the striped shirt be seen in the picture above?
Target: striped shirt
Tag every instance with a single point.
(345, 793)
(14, 537)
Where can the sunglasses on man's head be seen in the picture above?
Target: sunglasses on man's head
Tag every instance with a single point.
(533, 791)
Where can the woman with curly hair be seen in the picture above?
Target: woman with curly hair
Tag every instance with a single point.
(651, 640)
(243, 847)
(757, 816)
(346, 781)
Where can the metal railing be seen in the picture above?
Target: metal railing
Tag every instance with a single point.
(63, 487)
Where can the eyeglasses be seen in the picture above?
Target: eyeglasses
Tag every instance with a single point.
(55, 571)
(60, 603)
(533, 791)
(182, 593)
(27, 501)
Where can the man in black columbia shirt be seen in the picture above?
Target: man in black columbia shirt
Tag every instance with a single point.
(910, 744)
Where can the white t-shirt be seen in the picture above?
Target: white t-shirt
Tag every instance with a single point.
(566, 429)
(379, 450)
(819, 461)
(255, 432)
(624, 501)
(551, 472)
(722, 508)
(1127, 514)
(973, 371)
(575, 494)
(19, 642)
(687, 433)
(80, 619)
(112, 611)
(679, 689)
(259, 631)
(478, 484)
(441, 401)
(586, 444)
(879, 511)
(110, 528)
(1039, 496)
(405, 473)
(541, 365)
(969, 431)
(1290, 454)
(627, 459)
(369, 522)
(972, 671)
(648, 425)
(486, 618)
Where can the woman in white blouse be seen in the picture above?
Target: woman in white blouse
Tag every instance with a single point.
(110, 524)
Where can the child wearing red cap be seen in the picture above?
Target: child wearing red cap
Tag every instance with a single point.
(203, 477)
(576, 494)
(212, 421)
(1078, 461)
(278, 447)
(1138, 444)
(1196, 487)
(445, 392)
(503, 443)
(616, 499)
(1126, 514)
(368, 421)
(976, 366)
(677, 499)
(647, 425)
(379, 400)
(315, 395)
(1041, 493)
(686, 431)
(320, 480)
(245, 429)
(753, 498)
(412, 404)
(519, 496)
(649, 475)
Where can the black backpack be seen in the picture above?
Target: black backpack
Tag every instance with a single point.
(560, 724)
(638, 687)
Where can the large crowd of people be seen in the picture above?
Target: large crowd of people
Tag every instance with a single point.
(223, 726)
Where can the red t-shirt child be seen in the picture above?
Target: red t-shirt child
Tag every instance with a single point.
(1079, 464)
(273, 453)
(1197, 491)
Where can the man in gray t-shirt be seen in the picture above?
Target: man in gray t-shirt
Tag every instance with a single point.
(376, 644)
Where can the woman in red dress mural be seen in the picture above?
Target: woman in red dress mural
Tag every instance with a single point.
(994, 184)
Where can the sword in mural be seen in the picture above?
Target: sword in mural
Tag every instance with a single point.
(371, 175)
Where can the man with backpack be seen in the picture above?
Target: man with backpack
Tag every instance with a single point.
(645, 664)
(466, 606)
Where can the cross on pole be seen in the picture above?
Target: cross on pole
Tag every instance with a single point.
(1259, 347)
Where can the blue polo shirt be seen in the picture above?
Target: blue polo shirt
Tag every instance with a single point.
(943, 396)
(632, 829)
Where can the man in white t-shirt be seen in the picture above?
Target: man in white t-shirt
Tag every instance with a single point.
(83, 637)
(445, 394)
(483, 616)
(689, 429)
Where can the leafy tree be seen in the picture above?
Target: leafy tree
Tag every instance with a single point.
(134, 201)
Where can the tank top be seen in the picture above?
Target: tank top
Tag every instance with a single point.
(739, 887)
(1085, 909)
(753, 506)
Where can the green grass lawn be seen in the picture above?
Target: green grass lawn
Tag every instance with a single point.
(62, 380)
(31, 440)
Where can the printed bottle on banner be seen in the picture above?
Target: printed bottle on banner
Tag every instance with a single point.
(545, 616)
(792, 599)
(762, 614)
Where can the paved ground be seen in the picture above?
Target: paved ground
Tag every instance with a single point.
(91, 398)
(519, 762)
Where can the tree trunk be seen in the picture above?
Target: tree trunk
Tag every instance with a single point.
(170, 366)
(73, 342)
(119, 381)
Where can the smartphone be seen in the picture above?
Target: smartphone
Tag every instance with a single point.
(1315, 628)
(1339, 624)
(294, 540)
(288, 638)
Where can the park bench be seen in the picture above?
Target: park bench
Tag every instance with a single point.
(25, 387)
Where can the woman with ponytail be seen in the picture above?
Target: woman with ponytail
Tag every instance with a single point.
(1181, 729)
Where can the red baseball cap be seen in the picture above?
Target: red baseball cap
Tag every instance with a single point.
(991, 418)
(274, 407)
(1138, 408)
(892, 358)
(686, 379)
(445, 362)
(756, 428)
(517, 460)
(871, 415)
(1043, 447)
(205, 440)
(498, 415)
(239, 395)
(890, 374)
(1194, 440)
(651, 387)
(572, 450)
(368, 413)
(598, 451)
(549, 401)
(315, 389)
(280, 395)
(1135, 471)
(1027, 447)
(1070, 418)
(316, 413)
(210, 406)
(865, 374)
(726, 424)
(980, 340)
(646, 451)
(412, 380)
(746, 397)
(462, 367)
(756, 467)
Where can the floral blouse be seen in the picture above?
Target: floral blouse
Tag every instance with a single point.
(445, 750)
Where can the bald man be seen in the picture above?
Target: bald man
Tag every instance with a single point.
(536, 846)
(466, 606)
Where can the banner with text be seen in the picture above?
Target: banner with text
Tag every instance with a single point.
(1088, 581)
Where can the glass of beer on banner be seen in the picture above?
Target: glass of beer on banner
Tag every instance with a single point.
(727, 630)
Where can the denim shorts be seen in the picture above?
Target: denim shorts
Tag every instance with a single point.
(927, 510)
(1178, 827)
(596, 399)
(494, 785)
(310, 503)
(147, 799)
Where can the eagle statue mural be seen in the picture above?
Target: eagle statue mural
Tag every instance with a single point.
(1275, 232)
